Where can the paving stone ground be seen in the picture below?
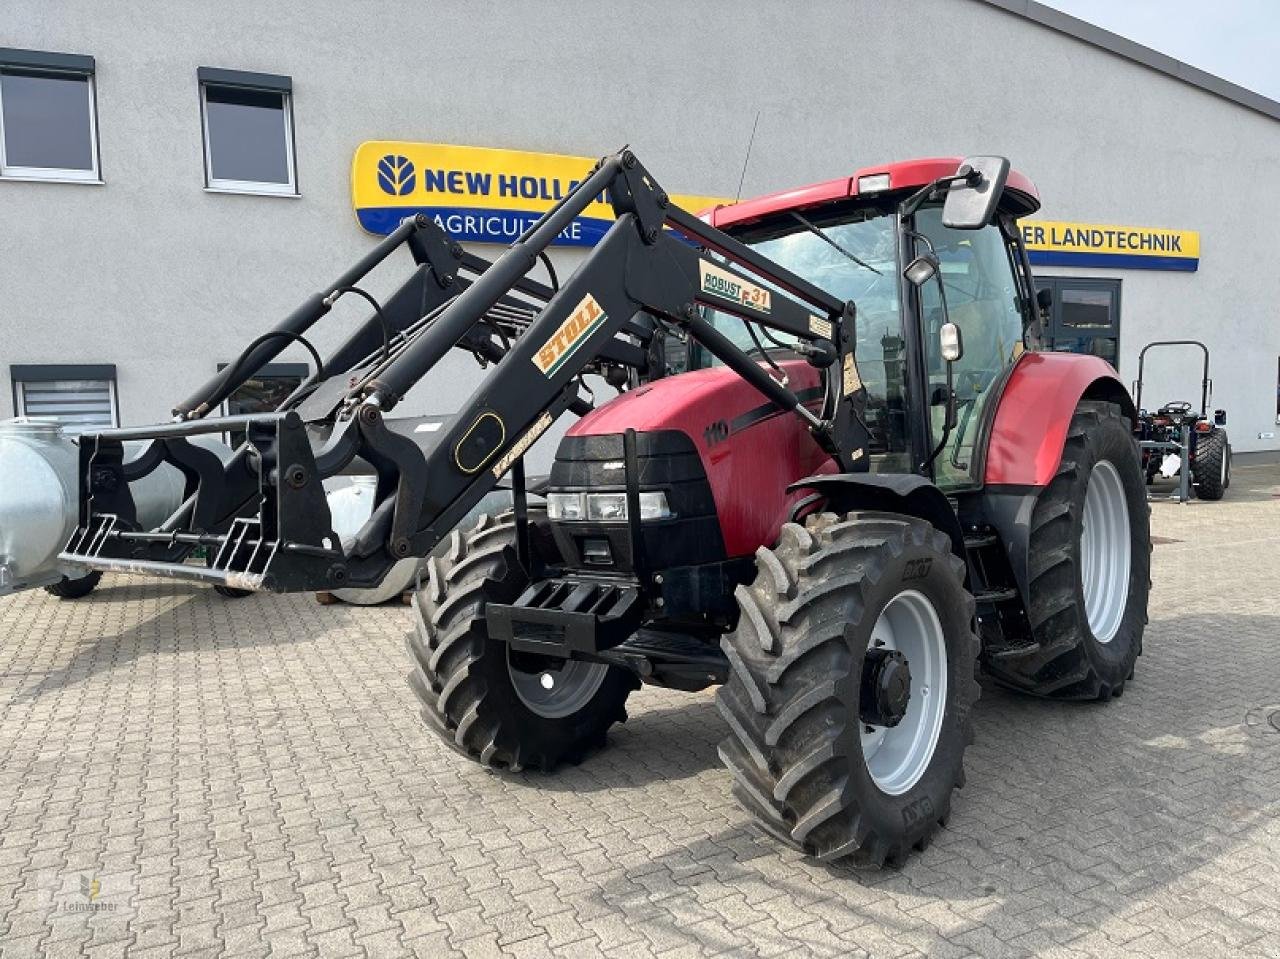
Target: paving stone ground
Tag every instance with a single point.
(183, 775)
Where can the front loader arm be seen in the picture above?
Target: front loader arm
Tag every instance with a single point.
(656, 261)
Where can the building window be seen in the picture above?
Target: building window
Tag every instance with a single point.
(1084, 316)
(48, 122)
(78, 396)
(263, 392)
(248, 132)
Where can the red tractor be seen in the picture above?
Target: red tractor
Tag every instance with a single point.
(840, 478)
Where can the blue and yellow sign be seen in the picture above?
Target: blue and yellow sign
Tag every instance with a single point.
(1052, 243)
(487, 195)
(478, 194)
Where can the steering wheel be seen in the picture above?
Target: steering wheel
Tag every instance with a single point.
(970, 384)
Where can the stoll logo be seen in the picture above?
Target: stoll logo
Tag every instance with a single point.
(582, 322)
(396, 175)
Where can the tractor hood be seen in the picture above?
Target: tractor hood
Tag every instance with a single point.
(751, 451)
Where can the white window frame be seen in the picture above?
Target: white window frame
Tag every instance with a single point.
(54, 174)
(251, 187)
(20, 398)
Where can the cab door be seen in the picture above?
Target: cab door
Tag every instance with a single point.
(984, 299)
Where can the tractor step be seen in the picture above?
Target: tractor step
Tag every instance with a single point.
(671, 659)
(980, 541)
(996, 595)
(1008, 652)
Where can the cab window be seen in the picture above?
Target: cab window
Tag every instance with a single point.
(983, 300)
(869, 234)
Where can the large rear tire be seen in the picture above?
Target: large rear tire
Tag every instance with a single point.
(1089, 566)
(1212, 470)
(810, 700)
(67, 588)
(504, 709)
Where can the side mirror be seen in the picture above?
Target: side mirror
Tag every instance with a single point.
(951, 342)
(1219, 417)
(972, 202)
(922, 269)
(1044, 299)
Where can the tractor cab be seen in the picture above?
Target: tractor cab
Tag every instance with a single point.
(855, 238)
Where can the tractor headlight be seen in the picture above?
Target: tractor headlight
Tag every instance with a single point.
(564, 506)
(874, 183)
(606, 507)
(653, 505)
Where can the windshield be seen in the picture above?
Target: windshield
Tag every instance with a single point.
(868, 235)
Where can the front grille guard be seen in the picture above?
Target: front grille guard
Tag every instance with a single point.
(261, 518)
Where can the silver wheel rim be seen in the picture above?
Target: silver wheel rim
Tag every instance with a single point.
(1105, 549)
(551, 687)
(898, 756)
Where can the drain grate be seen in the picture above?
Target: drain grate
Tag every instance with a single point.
(1264, 720)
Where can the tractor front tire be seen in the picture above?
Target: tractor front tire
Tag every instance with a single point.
(67, 588)
(1088, 566)
(505, 709)
(831, 607)
(1212, 470)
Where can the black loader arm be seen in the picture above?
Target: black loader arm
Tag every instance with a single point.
(262, 517)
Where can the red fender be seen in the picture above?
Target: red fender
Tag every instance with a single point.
(1035, 410)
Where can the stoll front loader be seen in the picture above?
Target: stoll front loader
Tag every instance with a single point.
(839, 476)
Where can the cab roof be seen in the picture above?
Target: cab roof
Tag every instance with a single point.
(1020, 194)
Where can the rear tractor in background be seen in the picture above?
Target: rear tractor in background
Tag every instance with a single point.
(1179, 440)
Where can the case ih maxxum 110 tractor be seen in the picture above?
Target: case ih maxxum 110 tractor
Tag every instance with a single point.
(838, 478)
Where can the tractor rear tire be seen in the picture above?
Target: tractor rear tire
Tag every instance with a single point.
(811, 629)
(67, 588)
(1212, 470)
(489, 702)
(1088, 586)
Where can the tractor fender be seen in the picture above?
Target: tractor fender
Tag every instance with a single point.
(1035, 409)
(892, 493)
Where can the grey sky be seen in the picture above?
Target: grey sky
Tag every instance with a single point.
(1239, 40)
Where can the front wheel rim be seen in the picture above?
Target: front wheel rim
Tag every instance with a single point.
(1105, 551)
(551, 687)
(898, 756)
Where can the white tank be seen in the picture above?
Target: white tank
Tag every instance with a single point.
(351, 506)
(37, 502)
(38, 498)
